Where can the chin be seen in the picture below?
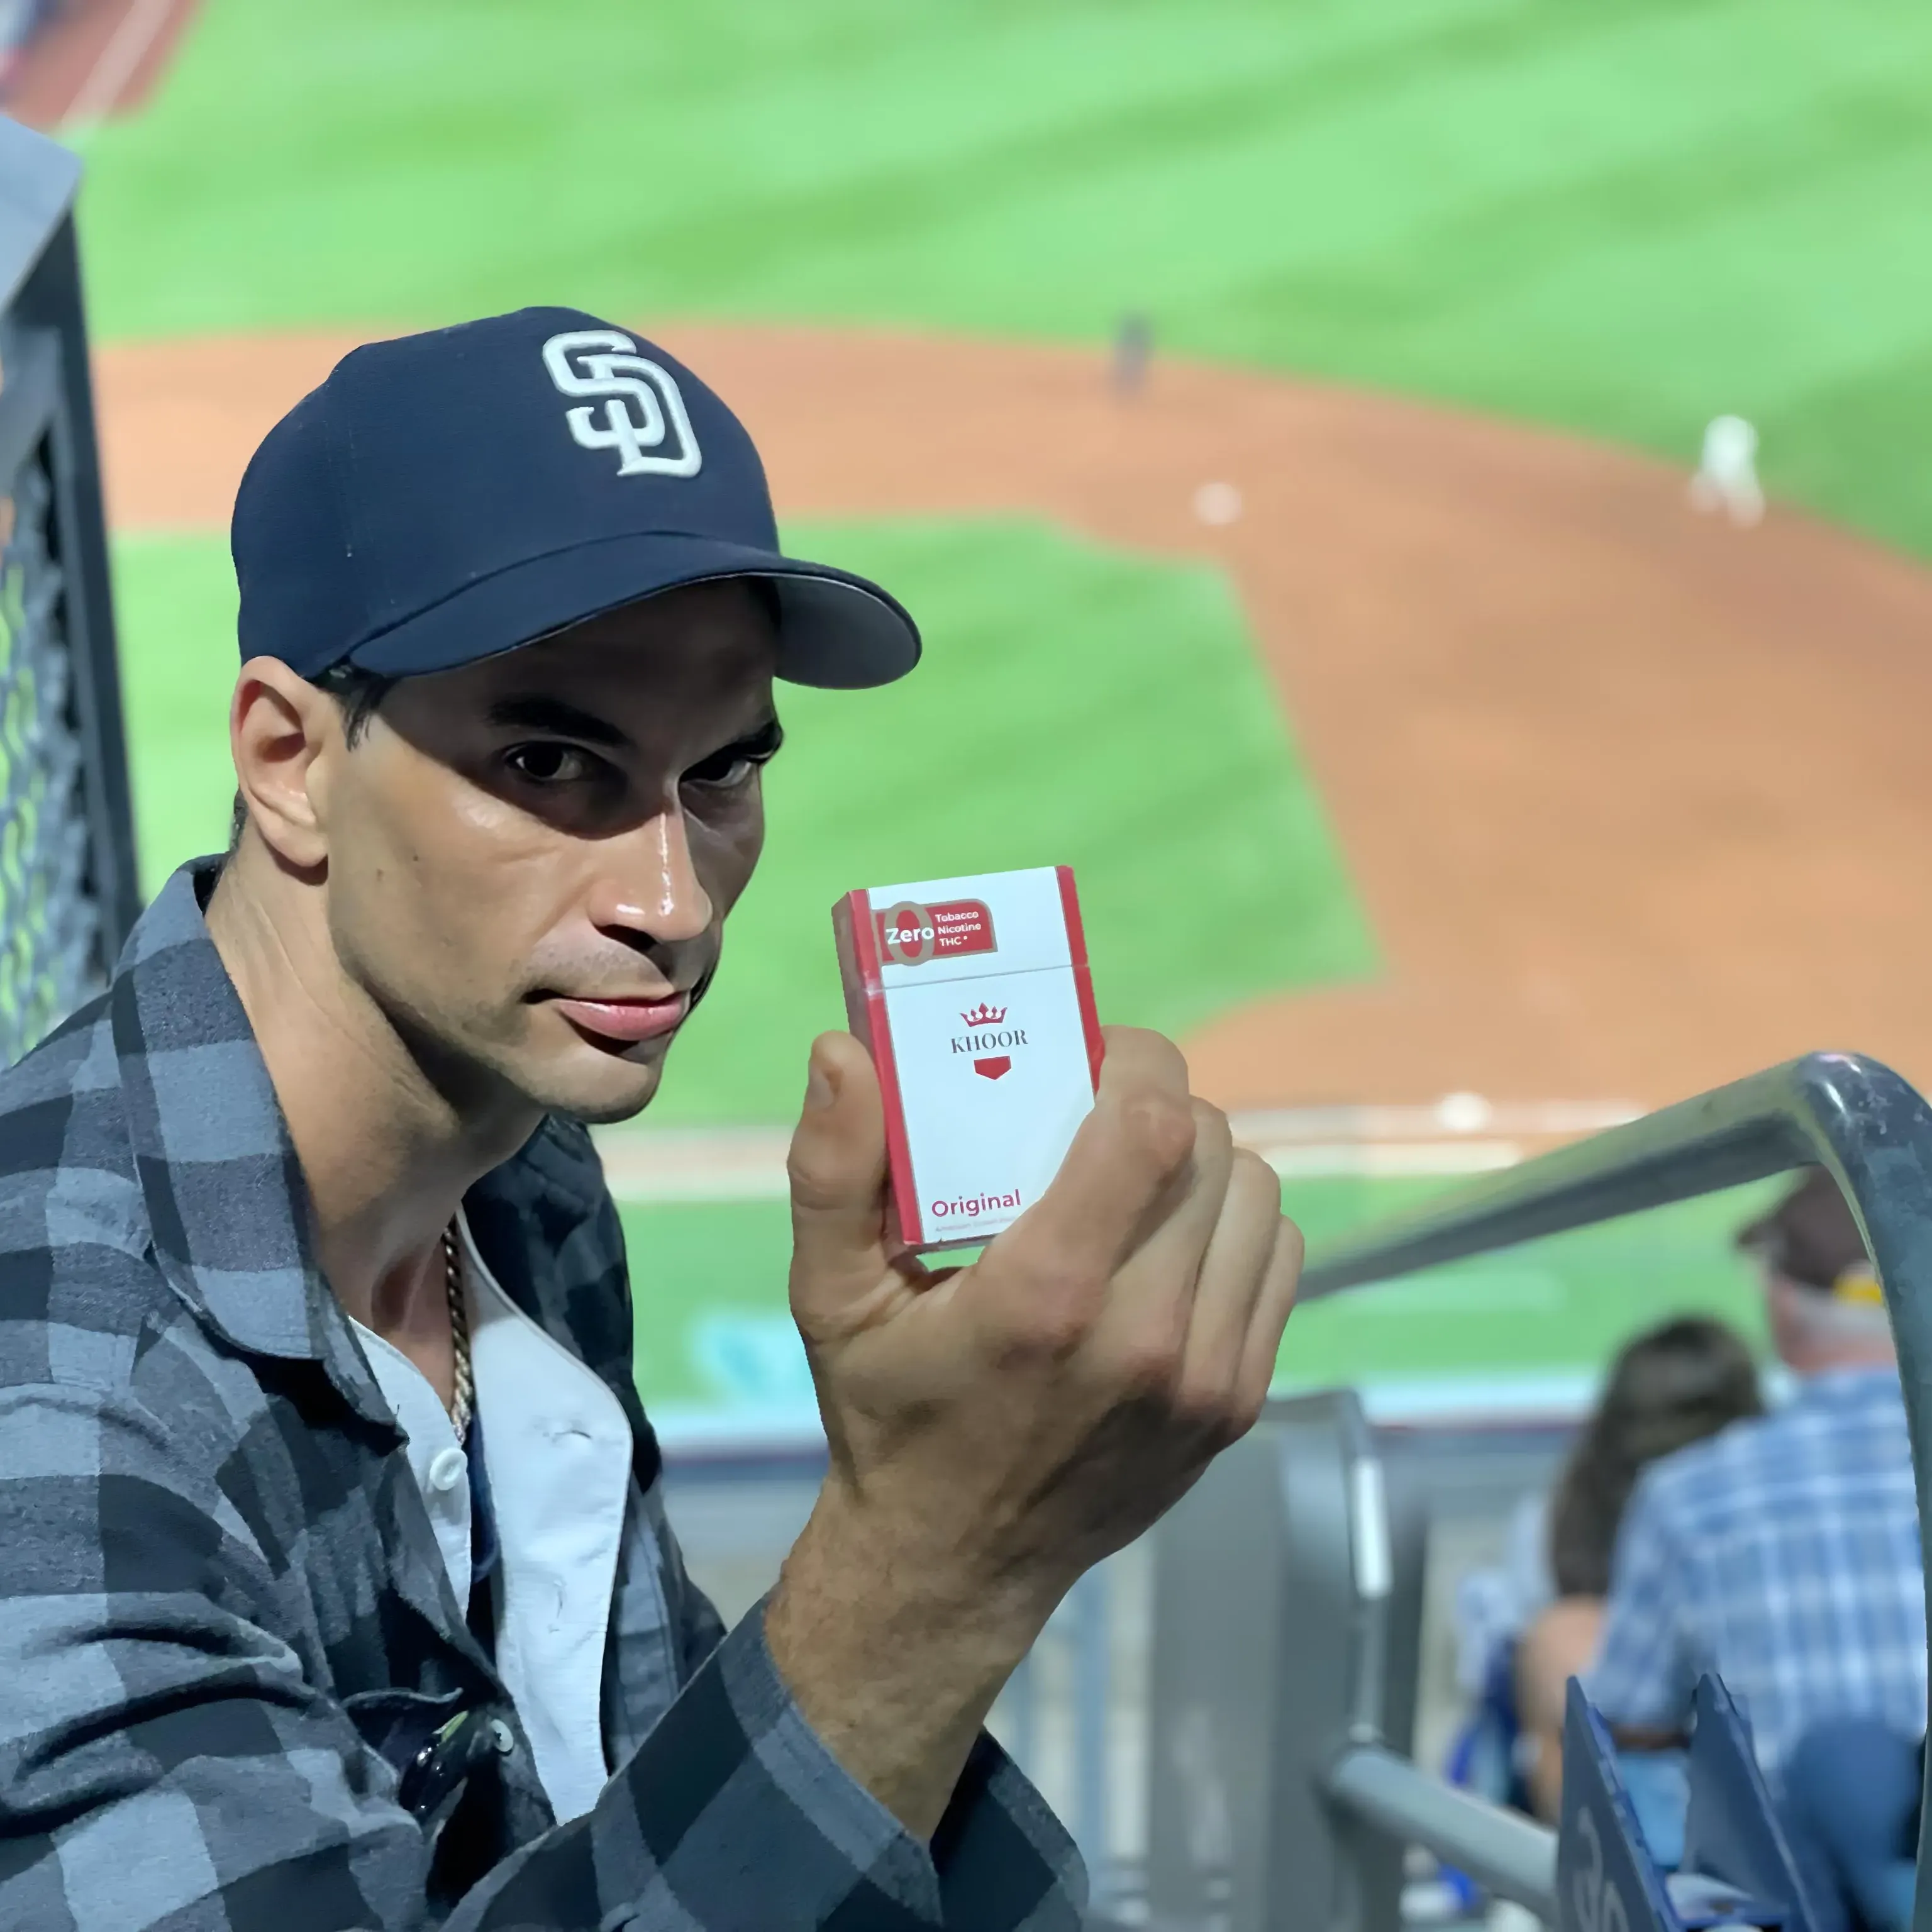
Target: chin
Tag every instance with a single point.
(604, 1113)
(612, 1089)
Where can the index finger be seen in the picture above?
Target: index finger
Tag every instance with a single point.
(1124, 1157)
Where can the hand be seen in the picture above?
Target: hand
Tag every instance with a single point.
(995, 1430)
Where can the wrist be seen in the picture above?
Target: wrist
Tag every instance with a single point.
(910, 1578)
(893, 1661)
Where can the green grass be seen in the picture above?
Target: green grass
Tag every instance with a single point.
(1625, 216)
(1076, 706)
(708, 1283)
(175, 599)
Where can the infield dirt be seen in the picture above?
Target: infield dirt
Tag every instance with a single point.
(1635, 802)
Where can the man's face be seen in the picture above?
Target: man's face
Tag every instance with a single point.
(530, 858)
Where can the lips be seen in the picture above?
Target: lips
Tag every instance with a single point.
(629, 1020)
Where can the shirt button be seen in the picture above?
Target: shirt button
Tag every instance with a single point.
(502, 1736)
(447, 1467)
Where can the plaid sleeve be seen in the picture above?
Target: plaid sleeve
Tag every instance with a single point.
(163, 1762)
(1644, 1675)
(733, 1814)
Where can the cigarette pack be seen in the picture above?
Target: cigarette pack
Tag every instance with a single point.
(974, 997)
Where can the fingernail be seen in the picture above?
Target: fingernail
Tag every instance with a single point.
(819, 1091)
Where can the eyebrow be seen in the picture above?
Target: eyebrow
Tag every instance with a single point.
(534, 713)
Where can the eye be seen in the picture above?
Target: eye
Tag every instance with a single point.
(731, 766)
(734, 765)
(547, 762)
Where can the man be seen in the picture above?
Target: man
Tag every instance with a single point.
(336, 1587)
(1783, 1554)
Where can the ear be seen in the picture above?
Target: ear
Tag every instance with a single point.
(285, 735)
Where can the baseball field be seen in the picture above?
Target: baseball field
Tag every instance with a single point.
(1407, 731)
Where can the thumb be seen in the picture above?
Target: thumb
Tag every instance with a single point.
(837, 1169)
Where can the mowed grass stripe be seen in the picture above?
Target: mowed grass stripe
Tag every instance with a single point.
(1625, 218)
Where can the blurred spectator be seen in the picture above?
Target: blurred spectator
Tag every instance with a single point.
(1495, 1605)
(1784, 1554)
(1852, 1791)
(1670, 1387)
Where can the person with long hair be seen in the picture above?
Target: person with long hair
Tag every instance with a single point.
(1671, 1386)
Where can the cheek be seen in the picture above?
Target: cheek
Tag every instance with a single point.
(443, 894)
(726, 850)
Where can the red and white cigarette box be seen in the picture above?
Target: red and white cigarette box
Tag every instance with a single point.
(974, 997)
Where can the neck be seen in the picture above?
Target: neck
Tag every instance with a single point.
(387, 1154)
(1821, 1358)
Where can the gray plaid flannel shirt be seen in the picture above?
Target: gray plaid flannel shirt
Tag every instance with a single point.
(224, 1622)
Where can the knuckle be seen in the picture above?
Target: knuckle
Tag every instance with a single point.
(1056, 1308)
(1162, 1125)
(813, 1183)
(1199, 1407)
(1230, 1422)
(1246, 1412)
(1293, 1244)
(1146, 1052)
(1211, 1127)
(1251, 1400)
(1213, 1410)
(1148, 1365)
(1055, 1328)
(1251, 1171)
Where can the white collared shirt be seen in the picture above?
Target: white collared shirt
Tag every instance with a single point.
(559, 1452)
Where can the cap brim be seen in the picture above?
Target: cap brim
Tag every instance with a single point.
(836, 629)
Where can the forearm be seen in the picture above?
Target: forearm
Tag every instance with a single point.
(893, 1661)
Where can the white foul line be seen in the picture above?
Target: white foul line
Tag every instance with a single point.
(645, 1165)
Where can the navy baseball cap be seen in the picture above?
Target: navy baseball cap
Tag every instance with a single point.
(444, 496)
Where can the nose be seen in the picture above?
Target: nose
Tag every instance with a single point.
(650, 886)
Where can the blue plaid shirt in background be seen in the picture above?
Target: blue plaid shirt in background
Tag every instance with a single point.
(1783, 1555)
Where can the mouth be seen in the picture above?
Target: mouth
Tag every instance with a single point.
(625, 1022)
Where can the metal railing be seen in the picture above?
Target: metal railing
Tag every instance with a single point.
(1284, 1665)
(68, 888)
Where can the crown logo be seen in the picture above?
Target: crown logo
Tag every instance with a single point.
(984, 1016)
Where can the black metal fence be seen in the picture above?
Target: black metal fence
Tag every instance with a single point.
(68, 886)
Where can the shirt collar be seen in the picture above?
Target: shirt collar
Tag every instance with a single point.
(1840, 1388)
(227, 1204)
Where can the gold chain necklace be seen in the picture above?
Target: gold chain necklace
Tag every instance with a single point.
(463, 1387)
